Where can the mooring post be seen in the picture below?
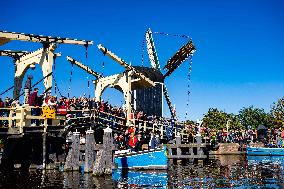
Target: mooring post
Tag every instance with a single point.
(199, 141)
(72, 161)
(178, 143)
(108, 146)
(103, 163)
(89, 151)
(199, 149)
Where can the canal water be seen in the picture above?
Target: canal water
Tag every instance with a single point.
(222, 172)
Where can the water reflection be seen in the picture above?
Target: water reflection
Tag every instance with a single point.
(144, 179)
(223, 172)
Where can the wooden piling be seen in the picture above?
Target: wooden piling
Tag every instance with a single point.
(72, 160)
(104, 158)
(89, 151)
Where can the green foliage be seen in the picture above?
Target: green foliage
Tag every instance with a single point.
(234, 122)
(248, 116)
(277, 111)
(189, 122)
(215, 119)
(254, 117)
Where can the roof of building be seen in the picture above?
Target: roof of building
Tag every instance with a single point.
(151, 73)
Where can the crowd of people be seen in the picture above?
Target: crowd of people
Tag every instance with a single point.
(269, 137)
(135, 140)
(80, 107)
(70, 107)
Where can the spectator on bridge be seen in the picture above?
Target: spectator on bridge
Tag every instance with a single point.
(1, 103)
(140, 141)
(52, 102)
(33, 101)
(132, 141)
(121, 142)
(33, 98)
(153, 141)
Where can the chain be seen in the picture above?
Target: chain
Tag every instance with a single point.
(175, 35)
(188, 86)
(56, 86)
(88, 81)
(70, 80)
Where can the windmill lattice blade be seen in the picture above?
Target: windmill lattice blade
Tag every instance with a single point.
(152, 53)
(173, 112)
(179, 57)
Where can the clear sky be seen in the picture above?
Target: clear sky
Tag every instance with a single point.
(239, 59)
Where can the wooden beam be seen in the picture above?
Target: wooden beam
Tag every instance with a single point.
(125, 64)
(12, 54)
(82, 66)
(6, 36)
(3, 41)
(179, 57)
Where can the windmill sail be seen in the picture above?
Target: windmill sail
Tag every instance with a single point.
(172, 110)
(152, 53)
(179, 57)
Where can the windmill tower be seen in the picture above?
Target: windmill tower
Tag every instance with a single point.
(150, 100)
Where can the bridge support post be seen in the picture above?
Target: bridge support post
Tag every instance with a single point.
(178, 142)
(103, 163)
(89, 151)
(199, 141)
(72, 160)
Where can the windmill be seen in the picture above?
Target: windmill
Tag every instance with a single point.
(142, 87)
(153, 96)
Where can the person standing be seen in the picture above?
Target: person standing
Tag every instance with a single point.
(153, 141)
(132, 141)
(33, 101)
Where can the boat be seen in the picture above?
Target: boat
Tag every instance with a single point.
(264, 151)
(259, 160)
(146, 159)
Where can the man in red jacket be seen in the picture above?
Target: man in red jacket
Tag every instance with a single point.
(132, 141)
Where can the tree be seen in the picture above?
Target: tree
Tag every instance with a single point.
(254, 117)
(277, 111)
(215, 119)
(234, 122)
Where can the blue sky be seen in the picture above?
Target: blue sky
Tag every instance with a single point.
(239, 59)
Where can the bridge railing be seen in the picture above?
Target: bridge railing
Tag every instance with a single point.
(24, 116)
(7, 116)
